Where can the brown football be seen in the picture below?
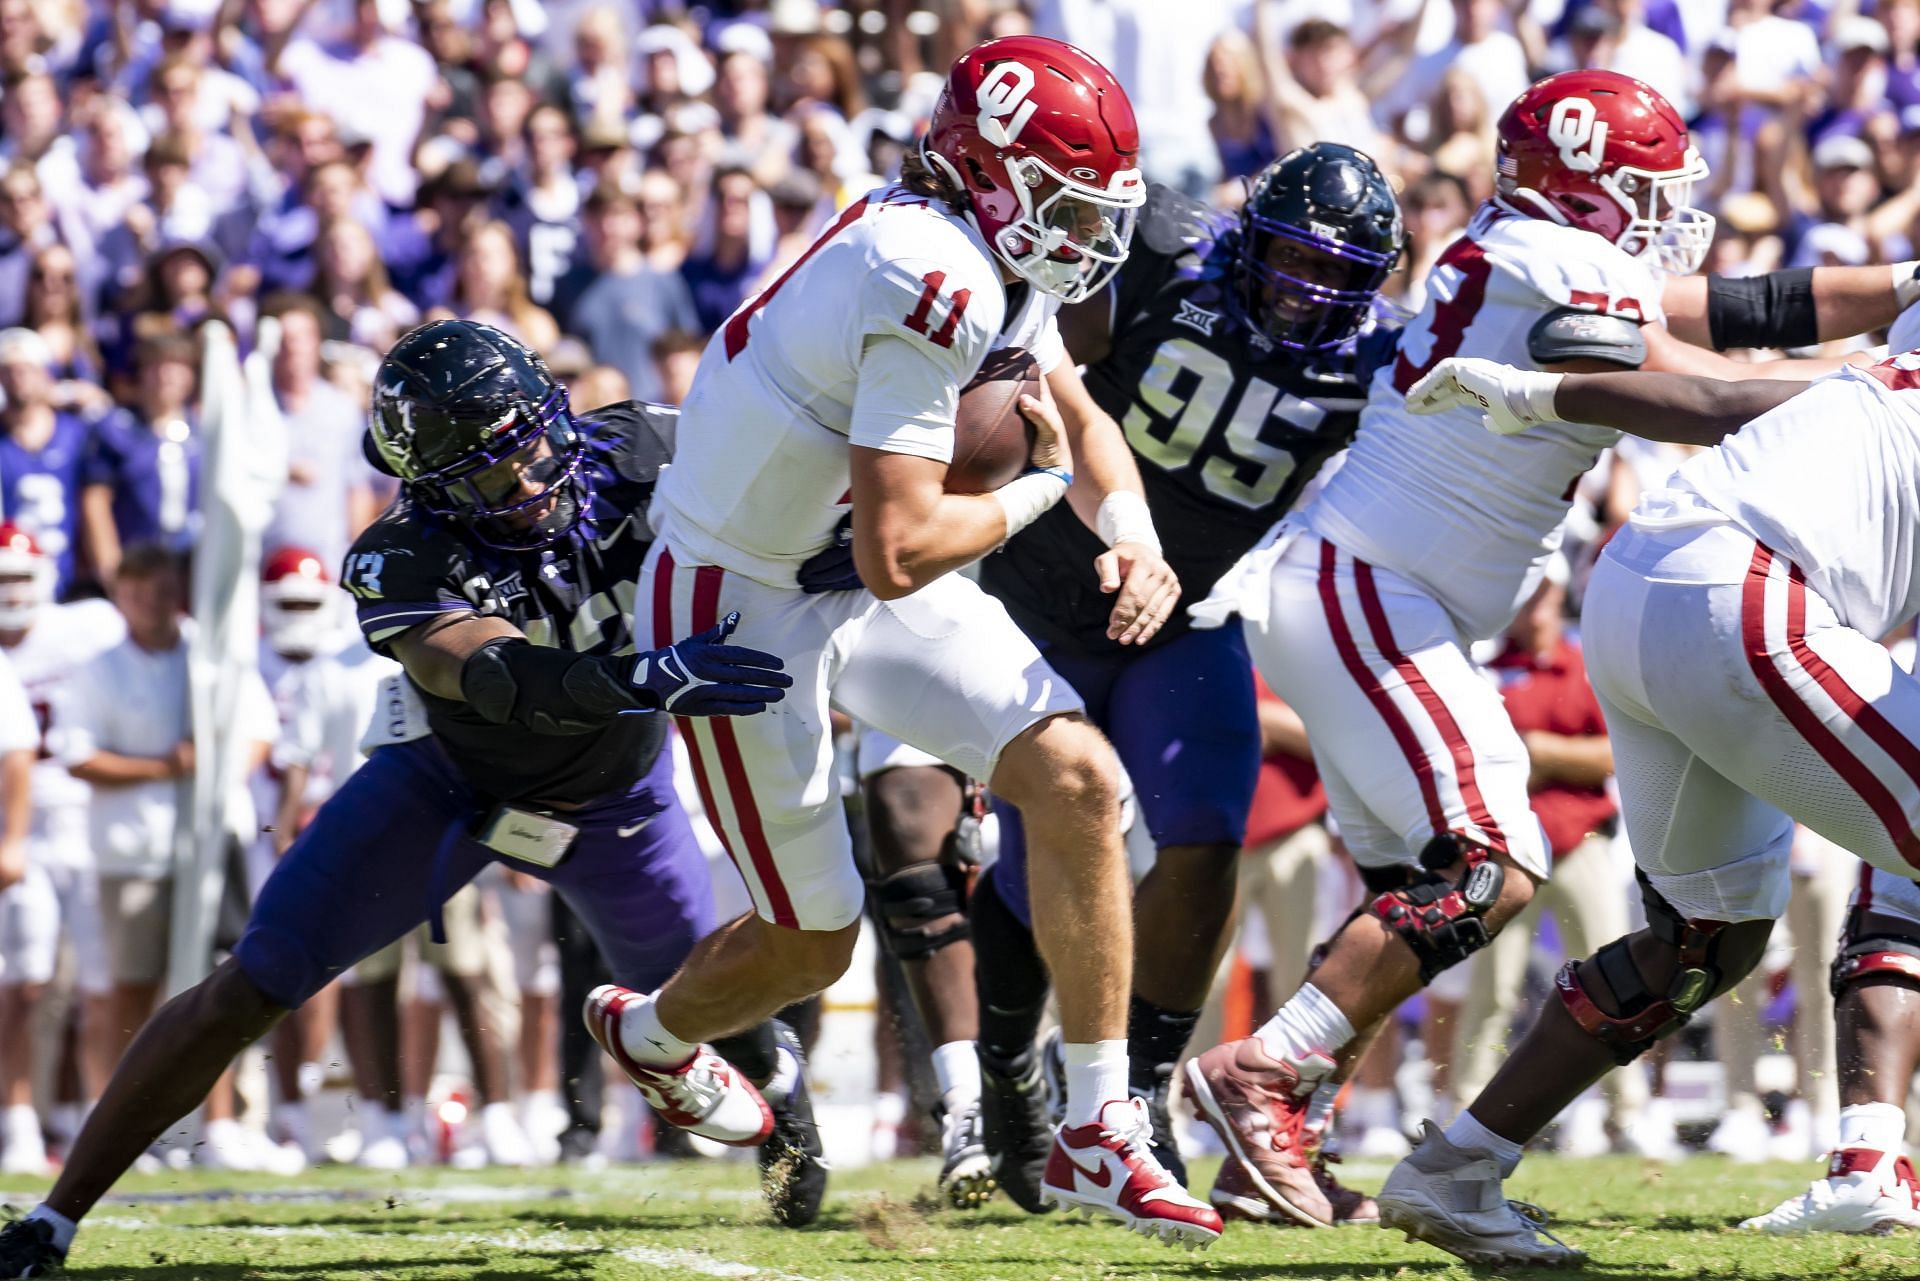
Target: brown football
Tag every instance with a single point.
(992, 439)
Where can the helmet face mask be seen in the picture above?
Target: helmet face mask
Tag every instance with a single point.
(1040, 148)
(480, 433)
(1319, 235)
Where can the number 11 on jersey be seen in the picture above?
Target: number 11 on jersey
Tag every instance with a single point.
(922, 312)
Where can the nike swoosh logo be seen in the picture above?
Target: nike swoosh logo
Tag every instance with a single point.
(634, 830)
(1100, 1175)
(601, 544)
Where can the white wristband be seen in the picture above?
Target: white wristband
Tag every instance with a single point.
(1124, 518)
(1027, 499)
(1540, 390)
(1906, 283)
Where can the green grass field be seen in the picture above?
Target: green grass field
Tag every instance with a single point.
(704, 1220)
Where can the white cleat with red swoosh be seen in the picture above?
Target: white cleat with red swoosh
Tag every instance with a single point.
(705, 1095)
(1109, 1168)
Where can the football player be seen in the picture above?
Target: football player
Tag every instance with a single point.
(1231, 350)
(1431, 535)
(58, 896)
(498, 580)
(1732, 634)
(1023, 196)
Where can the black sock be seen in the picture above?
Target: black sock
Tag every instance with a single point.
(1155, 1040)
(1009, 976)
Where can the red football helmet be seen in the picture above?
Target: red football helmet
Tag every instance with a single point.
(26, 578)
(1603, 152)
(296, 598)
(1040, 141)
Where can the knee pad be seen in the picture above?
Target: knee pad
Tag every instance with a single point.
(1864, 955)
(1713, 956)
(922, 909)
(1442, 920)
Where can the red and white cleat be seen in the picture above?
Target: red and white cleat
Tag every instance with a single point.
(704, 1095)
(1257, 1104)
(1864, 1191)
(1109, 1168)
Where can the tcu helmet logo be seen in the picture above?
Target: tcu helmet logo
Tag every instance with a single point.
(1581, 137)
(1004, 109)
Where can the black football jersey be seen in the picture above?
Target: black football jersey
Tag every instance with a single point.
(1227, 429)
(409, 567)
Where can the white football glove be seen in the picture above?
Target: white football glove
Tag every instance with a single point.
(1511, 400)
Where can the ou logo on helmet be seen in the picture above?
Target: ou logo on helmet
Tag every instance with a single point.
(1004, 108)
(1575, 128)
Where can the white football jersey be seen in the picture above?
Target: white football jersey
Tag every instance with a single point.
(865, 340)
(1831, 481)
(1471, 516)
(326, 704)
(63, 639)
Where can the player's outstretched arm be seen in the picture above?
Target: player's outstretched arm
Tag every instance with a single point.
(490, 665)
(1108, 497)
(1792, 308)
(1681, 408)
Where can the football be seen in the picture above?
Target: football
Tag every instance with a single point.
(991, 437)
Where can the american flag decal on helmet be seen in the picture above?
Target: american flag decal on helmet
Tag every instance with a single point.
(1509, 167)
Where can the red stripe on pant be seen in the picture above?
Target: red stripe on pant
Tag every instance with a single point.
(746, 815)
(1376, 693)
(1443, 723)
(1851, 769)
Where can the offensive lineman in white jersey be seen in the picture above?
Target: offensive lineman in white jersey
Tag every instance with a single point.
(1432, 534)
(1732, 633)
(836, 387)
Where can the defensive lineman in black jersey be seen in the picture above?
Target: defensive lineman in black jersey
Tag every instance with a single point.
(1235, 352)
(523, 732)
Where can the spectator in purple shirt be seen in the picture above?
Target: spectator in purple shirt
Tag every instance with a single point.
(141, 482)
(42, 451)
(721, 275)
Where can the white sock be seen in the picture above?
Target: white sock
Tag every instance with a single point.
(1320, 1106)
(956, 1065)
(1467, 1132)
(1881, 1127)
(1307, 1024)
(541, 1102)
(1096, 1076)
(63, 1227)
(311, 1077)
(643, 1036)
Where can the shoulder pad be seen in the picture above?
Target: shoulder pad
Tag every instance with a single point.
(637, 436)
(1570, 334)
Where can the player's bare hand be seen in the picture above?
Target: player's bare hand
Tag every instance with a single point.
(13, 863)
(1509, 400)
(180, 759)
(1049, 436)
(1148, 591)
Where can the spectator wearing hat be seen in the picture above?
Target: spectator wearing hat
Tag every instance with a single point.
(374, 81)
(1858, 91)
(141, 480)
(42, 452)
(1840, 230)
(625, 305)
(607, 155)
(720, 276)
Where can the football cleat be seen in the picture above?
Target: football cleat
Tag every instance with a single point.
(27, 1250)
(1451, 1198)
(1350, 1205)
(1234, 1195)
(1017, 1128)
(1257, 1104)
(1108, 1168)
(966, 1171)
(1864, 1191)
(793, 1167)
(704, 1095)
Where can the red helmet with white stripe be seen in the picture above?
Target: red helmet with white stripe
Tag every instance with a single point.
(1040, 141)
(1606, 153)
(296, 599)
(26, 578)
